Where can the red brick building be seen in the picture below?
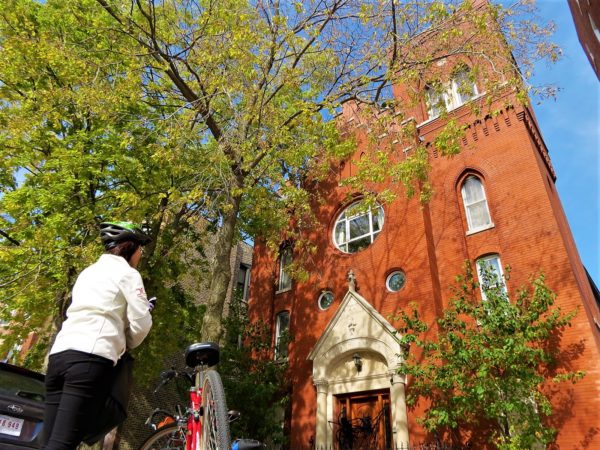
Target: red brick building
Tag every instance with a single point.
(586, 16)
(495, 201)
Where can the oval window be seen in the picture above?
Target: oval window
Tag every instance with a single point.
(395, 281)
(357, 228)
(325, 300)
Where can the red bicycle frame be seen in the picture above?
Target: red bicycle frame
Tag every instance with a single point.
(194, 424)
(205, 422)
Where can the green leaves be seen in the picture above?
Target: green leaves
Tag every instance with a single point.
(197, 117)
(487, 369)
(255, 384)
(80, 142)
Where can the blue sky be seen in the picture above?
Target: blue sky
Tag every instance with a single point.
(570, 128)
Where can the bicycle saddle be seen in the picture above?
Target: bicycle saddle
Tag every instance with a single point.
(202, 353)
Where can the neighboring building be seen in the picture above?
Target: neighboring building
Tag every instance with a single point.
(496, 202)
(586, 15)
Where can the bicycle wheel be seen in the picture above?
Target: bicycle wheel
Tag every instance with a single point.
(215, 422)
(170, 437)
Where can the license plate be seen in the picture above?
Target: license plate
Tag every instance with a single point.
(10, 425)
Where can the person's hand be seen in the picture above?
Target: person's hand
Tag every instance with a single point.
(151, 303)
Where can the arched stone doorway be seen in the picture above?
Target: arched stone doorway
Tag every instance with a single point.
(357, 332)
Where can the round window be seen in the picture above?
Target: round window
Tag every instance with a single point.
(356, 227)
(325, 300)
(395, 281)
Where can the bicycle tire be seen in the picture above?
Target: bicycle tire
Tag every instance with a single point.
(215, 421)
(169, 437)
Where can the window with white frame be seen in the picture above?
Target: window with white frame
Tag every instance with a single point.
(325, 300)
(490, 274)
(436, 99)
(476, 206)
(395, 281)
(446, 97)
(357, 228)
(285, 278)
(282, 327)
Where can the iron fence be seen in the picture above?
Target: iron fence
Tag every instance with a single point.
(401, 446)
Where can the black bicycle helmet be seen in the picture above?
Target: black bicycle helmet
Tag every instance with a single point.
(111, 233)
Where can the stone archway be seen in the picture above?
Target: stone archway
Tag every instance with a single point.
(357, 329)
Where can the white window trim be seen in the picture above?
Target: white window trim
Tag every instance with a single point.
(480, 229)
(471, 229)
(454, 92)
(321, 296)
(282, 270)
(387, 281)
(278, 333)
(500, 275)
(431, 119)
(372, 234)
(451, 98)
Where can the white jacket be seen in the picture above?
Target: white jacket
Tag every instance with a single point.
(109, 311)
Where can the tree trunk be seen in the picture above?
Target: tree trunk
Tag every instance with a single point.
(63, 301)
(212, 329)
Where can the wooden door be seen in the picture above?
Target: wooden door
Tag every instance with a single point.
(363, 421)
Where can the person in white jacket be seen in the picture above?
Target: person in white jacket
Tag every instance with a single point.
(108, 315)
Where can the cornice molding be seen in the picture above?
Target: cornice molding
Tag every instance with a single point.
(526, 117)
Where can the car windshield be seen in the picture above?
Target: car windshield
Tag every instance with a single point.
(21, 386)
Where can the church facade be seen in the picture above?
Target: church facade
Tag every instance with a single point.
(495, 202)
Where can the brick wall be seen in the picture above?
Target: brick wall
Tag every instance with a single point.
(586, 15)
(430, 244)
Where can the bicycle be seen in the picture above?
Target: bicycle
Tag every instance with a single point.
(204, 425)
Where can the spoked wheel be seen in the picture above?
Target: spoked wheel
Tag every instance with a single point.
(170, 437)
(215, 421)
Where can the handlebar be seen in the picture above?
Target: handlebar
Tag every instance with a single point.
(168, 375)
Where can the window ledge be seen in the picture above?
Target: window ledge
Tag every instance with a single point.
(281, 291)
(479, 230)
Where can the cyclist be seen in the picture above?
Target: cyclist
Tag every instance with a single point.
(108, 315)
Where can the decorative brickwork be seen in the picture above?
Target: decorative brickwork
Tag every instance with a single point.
(430, 243)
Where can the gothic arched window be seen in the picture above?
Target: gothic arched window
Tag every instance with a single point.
(476, 206)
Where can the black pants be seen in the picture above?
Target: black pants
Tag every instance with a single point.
(77, 385)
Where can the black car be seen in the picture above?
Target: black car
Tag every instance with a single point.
(21, 407)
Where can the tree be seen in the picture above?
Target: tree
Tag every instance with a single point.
(198, 117)
(257, 80)
(256, 385)
(78, 145)
(486, 369)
